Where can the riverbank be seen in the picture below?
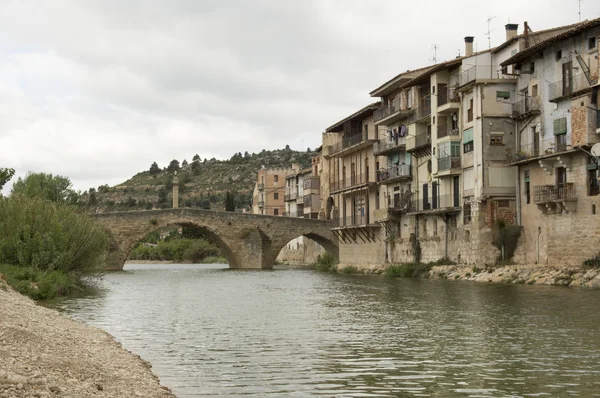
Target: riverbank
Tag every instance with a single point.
(508, 274)
(46, 354)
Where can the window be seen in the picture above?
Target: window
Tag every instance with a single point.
(593, 189)
(534, 90)
(560, 126)
(559, 55)
(470, 111)
(276, 195)
(275, 212)
(526, 188)
(468, 140)
(502, 95)
(496, 138)
(532, 67)
(275, 178)
(467, 213)
(592, 43)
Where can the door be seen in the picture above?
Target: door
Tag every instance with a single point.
(425, 197)
(456, 188)
(434, 196)
(561, 183)
(567, 77)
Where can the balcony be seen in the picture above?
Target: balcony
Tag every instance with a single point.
(291, 195)
(392, 112)
(482, 72)
(568, 88)
(394, 174)
(446, 130)
(420, 144)
(535, 150)
(355, 181)
(447, 100)
(439, 205)
(388, 146)
(297, 213)
(312, 183)
(423, 112)
(529, 106)
(553, 199)
(449, 163)
(261, 204)
(310, 200)
(349, 144)
(261, 187)
(354, 221)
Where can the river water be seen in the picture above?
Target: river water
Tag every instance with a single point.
(210, 331)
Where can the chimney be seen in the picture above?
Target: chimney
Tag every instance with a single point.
(469, 46)
(511, 30)
(526, 33)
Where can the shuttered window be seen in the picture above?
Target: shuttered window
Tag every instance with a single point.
(560, 126)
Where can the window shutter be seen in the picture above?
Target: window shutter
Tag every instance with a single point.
(468, 136)
(560, 126)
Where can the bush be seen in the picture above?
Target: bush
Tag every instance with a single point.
(593, 262)
(177, 250)
(47, 236)
(507, 236)
(407, 270)
(325, 262)
(350, 269)
(37, 284)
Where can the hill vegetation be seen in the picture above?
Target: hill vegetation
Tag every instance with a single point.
(202, 183)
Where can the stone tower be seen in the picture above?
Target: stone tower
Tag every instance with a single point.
(175, 191)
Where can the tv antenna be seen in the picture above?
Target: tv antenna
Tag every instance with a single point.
(489, 32)
(435, 48)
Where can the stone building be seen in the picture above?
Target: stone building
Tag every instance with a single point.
(557, 122)
(269, 191)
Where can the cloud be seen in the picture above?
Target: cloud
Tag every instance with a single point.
(98, 90)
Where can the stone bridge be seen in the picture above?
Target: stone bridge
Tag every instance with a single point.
(246, 240)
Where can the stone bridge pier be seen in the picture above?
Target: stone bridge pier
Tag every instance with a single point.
(246, 240)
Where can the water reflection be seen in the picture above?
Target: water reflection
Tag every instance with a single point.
(216, 332)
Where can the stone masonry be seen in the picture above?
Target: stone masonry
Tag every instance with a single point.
(246, 240)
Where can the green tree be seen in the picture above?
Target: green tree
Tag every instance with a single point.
(196, 158)
(196, 167)
(5, 175)
(184, 163)
(229, 202)
(46, 186)
(154, 169)
(92, 200)
(173, 166)
(163, 196)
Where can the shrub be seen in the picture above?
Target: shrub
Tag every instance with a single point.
(326, 262)
(37, 284)
(350, 269)
(49, 236)
(507, 236)
(407, 270)
(593, 262)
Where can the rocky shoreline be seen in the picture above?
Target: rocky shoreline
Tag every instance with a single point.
(46, 354)
(507, 274)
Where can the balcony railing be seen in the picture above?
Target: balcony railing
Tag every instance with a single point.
(397, 171)
(446, 130)
(537, 149)
(448, 162)
(308, 200)
(291, 195)
(439, 202)
(481, 72)
(356, 220)
(347, 142)
(564, 88)
(424, 109)
(549, 193)
(261, 187)
(353, 181)
(312, 183)
(386, 110)
(446, 95)
(389, 144)
(418, 141)
(261, 203)
(526, 106)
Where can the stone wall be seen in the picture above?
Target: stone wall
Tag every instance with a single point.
(300, 251)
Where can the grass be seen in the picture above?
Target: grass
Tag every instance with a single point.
(37, 284)
(350, 269)
(214, 260)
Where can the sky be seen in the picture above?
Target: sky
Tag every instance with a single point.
(98, 90)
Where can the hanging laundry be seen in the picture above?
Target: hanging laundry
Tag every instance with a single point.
(403, 131)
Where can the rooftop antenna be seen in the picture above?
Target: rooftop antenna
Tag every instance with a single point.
(489, 32)
(579, 1)
(434, 59)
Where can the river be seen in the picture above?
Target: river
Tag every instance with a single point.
(211, 331)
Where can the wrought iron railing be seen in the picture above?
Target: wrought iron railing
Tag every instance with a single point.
(387, 144)
(525, 106)
(356, 220)
(386, 110)
(445, 130)
(347, 142)
(417, 141)
(446, 95)
(353, 181)
(549, 193)
(564, 88)
(437, 202)
(396, 171)
(481, 72)
(261, 203)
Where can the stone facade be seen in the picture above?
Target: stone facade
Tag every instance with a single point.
(246, 240)
(300, 251)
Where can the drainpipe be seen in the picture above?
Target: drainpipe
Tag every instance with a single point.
(446, 248)
(538, 244)
(518, 190)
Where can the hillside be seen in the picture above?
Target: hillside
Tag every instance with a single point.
(202, 182)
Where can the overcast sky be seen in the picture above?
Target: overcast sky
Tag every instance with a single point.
(98, 90)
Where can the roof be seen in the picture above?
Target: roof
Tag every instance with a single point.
(437, 68)
(319, 148)
(394, 82)
(359, 115)
(522, 55)
(534, 34)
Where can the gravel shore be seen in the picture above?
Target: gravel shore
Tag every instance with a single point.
(46, 354)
